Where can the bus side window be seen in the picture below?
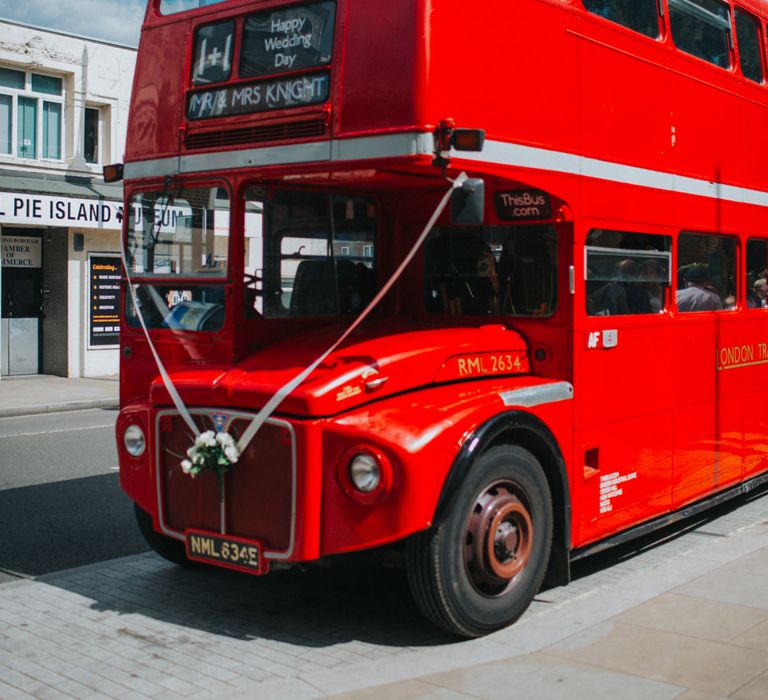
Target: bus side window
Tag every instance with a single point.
(706, 275)
(702, 28)
(640, 15)
(626, 272)
(757, 273)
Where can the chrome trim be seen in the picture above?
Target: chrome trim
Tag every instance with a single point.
(364, 148)
(420, 143)
(538, 395)
(231, 416)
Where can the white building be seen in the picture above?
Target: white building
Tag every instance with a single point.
(63, 115)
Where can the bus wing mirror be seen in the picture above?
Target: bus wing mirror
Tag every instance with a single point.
(468, 203)
(113, 173)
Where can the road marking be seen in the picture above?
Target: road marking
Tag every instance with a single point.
(62, 430)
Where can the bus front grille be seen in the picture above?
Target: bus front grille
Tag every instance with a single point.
(258, 497)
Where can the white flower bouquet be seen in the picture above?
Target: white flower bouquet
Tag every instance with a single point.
(215, 452)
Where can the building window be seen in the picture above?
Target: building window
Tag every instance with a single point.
(6, 105)
(91, 135)
(31, 114)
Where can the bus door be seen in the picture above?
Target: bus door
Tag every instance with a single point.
(21, 307)
(714, 355)
(623, 388)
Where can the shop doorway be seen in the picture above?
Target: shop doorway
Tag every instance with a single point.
(21, 307)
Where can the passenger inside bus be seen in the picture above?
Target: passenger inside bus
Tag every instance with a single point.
(697, 295)
(462, 275)
(623, 296)
(510, 270)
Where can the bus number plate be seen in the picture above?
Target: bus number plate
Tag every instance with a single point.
(231, 552)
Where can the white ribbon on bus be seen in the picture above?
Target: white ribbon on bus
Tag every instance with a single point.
(261, 417)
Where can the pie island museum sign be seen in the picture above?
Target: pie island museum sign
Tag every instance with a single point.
(44, 210)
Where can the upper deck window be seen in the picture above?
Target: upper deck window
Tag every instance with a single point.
(702, 28)
(748, 35)
(31, 114)
(640, 15)
(212, 61)
(171, 7)
(288, 39)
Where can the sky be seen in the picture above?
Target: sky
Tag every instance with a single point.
(112, 20)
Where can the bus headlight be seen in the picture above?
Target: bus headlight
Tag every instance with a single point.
(365, 472)
(133, 439)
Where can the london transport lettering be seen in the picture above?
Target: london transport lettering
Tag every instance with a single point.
(742, 356)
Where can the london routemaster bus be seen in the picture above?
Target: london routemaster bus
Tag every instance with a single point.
(485, 282)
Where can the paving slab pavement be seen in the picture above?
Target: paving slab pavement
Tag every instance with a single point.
(45, 393)
(686, 618)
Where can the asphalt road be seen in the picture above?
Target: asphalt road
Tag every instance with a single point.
(61, 504)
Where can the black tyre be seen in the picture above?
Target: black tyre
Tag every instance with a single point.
(478, 569)
(167, 547)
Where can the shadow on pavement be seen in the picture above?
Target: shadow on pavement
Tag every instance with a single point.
(63, 524)
(316, 606)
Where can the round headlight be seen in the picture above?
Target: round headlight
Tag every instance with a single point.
(133, 439)
(365, 472)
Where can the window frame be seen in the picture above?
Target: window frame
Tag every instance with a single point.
(692, 9)
(40, 99)
(99, 159)
(683, 254)
(740, 11)
(659, 20)
(661, 256)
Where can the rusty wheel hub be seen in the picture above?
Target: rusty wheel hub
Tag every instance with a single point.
(498, 540)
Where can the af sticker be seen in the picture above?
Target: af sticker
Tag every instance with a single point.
(602, 339)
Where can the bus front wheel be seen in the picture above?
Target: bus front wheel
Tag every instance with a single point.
(478, 569)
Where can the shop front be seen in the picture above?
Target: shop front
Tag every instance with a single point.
(60, 279)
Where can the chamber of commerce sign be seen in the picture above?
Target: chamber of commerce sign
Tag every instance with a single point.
(45, 210)
(21, 251)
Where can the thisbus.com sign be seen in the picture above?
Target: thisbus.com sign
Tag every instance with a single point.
(259, 97)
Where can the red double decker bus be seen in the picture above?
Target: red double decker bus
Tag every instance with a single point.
(568, 353)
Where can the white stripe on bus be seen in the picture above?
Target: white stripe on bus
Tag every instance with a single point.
(413, 144)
